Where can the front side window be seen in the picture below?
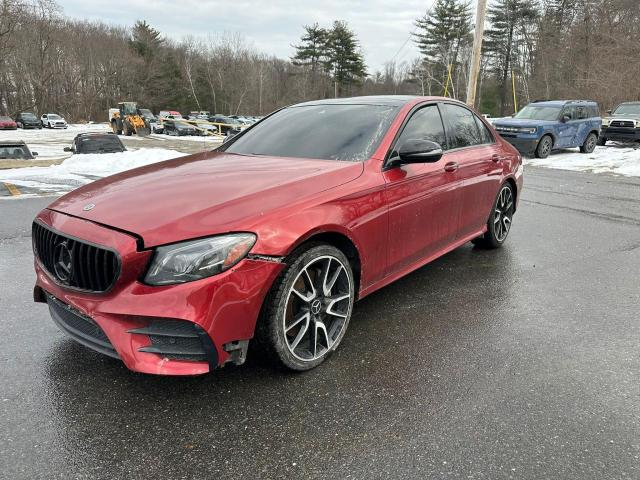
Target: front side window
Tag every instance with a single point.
(325, 131)
(581, 113)
(425, 124)
(569, 112)
(462, 130)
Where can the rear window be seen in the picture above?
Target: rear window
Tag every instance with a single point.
(106, 144)
(14, 152)
(325, 131)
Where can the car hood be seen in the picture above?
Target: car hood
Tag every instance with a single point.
(523, 122)
(623, 117)
(203, 194)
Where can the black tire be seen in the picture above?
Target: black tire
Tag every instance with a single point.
(602, 141)
(126, 129)
(503, 206)
(283, 306)
(589, 144)
(544, 147)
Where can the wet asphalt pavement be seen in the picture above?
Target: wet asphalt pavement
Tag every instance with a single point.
(518, 363)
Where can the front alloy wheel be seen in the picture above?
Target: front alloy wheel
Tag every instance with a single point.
(308, 310)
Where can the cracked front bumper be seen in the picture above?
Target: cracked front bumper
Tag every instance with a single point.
(133, 316)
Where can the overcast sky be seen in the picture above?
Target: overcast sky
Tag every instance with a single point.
(383, 26)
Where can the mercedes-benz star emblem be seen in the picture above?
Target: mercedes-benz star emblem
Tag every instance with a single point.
(89, 206)
(316, 306)
(62, 262)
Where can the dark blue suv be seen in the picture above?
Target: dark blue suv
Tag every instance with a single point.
(543, 126)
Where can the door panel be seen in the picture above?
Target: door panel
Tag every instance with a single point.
(423, 211)
(567, 131)
(421, 197)
(480, 170)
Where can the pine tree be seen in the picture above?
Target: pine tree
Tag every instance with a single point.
(146, 40)
(313, 50)
(344, 57)
(443, 34)
(506, 38)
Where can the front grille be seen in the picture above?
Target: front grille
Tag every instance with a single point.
(623, 123)
(174, 339)
(80, 327)
(75, 263)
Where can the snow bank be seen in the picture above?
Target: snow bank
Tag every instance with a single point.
(616, 159)
(78, 170)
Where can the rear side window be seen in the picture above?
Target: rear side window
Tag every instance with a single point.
(485, 134)
(461, 126)
(425, 124)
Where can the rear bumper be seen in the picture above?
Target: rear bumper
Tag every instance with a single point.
(621, 134)
(133, 317)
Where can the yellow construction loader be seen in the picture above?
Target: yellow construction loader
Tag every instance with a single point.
(127, 120)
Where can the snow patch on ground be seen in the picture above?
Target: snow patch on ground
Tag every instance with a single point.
(79, 170)
(619, 159)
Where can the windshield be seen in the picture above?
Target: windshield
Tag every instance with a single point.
(5, 119)
(106, 144)
(328, 132)
(53, 116)
(538, 112)
(146, 113)
(28, 116)
(629, 109)
(14, 151)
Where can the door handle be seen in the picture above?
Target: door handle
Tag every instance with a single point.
(496, 158)
(451, 167)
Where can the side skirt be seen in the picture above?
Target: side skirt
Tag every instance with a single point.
(420, 263)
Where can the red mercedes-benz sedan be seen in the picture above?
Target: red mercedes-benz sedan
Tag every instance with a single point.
(175, 267)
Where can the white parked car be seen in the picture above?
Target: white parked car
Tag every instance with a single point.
(51, 120)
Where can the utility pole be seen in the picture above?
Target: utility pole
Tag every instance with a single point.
(474, 71)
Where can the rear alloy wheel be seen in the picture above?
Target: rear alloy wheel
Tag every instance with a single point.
(307, 312)
(589, 144)
(544, 147)
(499, 223)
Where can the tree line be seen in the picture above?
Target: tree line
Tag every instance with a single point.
(533, 48)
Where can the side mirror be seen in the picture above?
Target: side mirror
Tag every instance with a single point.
(565, 118)
(68, 149)
(417, 150)
(609, 112)
(35, 154)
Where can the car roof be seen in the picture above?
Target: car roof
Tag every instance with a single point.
(631, 103)
(386, 100)
(562, 103)
(97, 134)
(13, 143)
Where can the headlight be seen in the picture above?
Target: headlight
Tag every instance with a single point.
(529, 130)
(605, 122)
(196, 259)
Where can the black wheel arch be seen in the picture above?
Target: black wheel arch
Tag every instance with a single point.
(340, 241)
